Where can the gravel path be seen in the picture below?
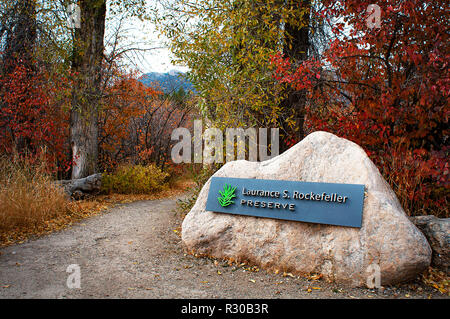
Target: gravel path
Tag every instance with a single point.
(134, 251)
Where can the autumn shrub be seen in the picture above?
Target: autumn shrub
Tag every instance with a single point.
(126, 101)
(418, 176)
(28, 196)
(419, 179)
(135, 179)
(34, 115)
(386, 89)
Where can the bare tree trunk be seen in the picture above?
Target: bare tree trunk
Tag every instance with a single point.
(296, 48)
(87, 61)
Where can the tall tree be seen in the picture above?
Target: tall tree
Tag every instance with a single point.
(87, 61)
(296, 48)
(227, 45)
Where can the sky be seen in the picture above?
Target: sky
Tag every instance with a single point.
(143, 35)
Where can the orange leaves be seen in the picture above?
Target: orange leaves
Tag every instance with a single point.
(126, 101)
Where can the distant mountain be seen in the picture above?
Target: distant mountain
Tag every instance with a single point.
(168, 82)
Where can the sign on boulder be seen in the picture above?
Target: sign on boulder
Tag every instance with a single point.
(324, 203)
(324, 226)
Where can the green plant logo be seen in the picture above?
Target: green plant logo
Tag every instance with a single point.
(227, 194)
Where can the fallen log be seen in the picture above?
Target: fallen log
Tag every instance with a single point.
(79, 188)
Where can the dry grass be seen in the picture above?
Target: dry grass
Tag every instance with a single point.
(28, 197)
(31, 204)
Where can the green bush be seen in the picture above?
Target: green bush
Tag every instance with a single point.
(135, 179)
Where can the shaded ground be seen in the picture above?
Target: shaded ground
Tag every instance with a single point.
(134, 251)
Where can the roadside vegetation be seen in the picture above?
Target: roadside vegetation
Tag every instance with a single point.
(32, 204)
(72, 104)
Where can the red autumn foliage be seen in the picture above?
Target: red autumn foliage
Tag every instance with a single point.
(33, 118)
(134, 122)
(386, 89)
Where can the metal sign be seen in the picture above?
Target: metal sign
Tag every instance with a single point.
(323, 203)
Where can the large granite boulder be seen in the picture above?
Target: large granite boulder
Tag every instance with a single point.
(387, 237)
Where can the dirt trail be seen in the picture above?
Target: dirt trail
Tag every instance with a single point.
(132, 251)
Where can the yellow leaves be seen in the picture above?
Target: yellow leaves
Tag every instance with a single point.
(252, 280)
(310, 289)
(442, 287)
(438, 280)
(250, 268)
(228, 52)
(135, 179)
(315, 276)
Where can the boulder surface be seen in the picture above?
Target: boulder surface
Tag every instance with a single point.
(437, 231)
(387, 237)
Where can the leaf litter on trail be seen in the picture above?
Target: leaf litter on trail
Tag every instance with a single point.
(437, 279)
